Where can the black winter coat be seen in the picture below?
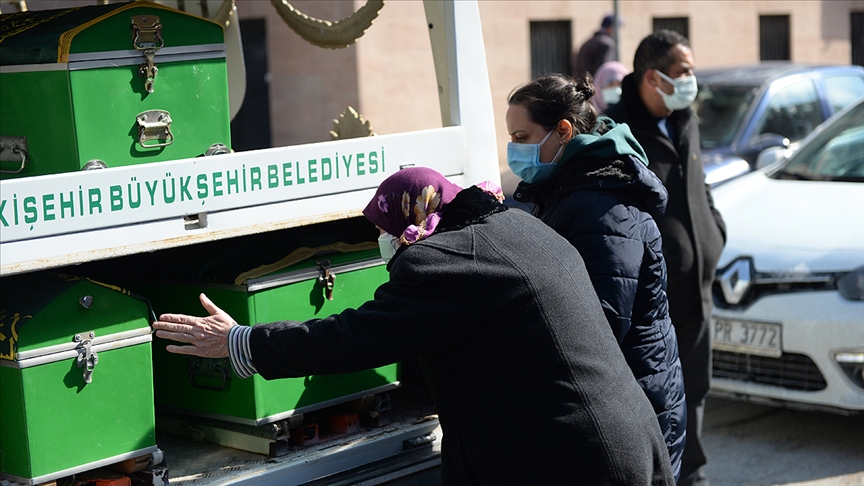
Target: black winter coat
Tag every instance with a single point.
(528, 380)
(693, 230)
(604, 207)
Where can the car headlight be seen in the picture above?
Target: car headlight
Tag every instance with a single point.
(851, 285)
(852, 364)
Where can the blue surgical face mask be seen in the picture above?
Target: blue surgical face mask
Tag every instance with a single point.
(388, 244)
(684, 92)
(524, 160)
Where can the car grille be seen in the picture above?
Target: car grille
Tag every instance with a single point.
(738, 284)
(792, 371)
(760, 289)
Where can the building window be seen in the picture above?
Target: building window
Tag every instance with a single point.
(551, 44)
(856, 36)
(678, 24)
(774, 38)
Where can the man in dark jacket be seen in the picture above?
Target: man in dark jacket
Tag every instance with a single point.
(528, 380)
(655, 103)
(597, 50)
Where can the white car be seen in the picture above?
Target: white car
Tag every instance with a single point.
(788, 321)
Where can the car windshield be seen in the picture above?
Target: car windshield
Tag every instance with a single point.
(720, 110)
(836, 154)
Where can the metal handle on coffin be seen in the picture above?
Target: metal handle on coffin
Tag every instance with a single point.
(154, 125)
(11, 149)
(208, 368)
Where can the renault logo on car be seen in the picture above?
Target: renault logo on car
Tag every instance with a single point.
(735, 281)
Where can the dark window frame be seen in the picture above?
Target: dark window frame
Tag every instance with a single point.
(775, 38)
(677, 24)
(551, 44)
(856, 37)
(251, 127)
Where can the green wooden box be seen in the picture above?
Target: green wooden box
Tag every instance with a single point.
(76, 377)
(207, 387)
(73, 87)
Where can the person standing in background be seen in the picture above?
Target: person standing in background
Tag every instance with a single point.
(607, 83)
(597, 50)
(655, 103)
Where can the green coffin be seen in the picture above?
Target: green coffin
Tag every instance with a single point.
(72, 86)
(207, 387)
(58, 418)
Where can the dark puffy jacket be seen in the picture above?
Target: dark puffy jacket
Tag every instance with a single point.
(604, 205)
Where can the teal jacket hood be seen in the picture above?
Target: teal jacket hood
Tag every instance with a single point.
(619, 140)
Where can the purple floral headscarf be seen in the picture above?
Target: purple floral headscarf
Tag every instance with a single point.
(408, 203)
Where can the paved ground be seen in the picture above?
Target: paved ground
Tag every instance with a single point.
(755, 445)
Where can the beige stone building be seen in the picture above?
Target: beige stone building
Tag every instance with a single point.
(388, 75)
(295, 90)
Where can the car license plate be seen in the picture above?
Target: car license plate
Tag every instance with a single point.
(762, 338)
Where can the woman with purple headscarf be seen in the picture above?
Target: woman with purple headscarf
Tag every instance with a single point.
(528, 380)
(607, 83)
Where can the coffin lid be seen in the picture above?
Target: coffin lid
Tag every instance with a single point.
(50, 36)
(43, 310)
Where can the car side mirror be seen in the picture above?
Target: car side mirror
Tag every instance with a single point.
(769, 156)
(767, 140)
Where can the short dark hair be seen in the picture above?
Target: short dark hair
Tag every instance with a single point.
(655, 52)
(555, 97)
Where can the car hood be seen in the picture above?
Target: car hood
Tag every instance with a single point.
(721, 165)
(790, 226)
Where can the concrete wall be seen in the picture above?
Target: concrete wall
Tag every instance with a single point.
(309, 86)
(388, 77)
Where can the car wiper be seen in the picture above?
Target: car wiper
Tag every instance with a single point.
(783, 174)
(845, 178)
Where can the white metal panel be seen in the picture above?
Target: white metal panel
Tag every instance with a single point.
(463, 83)
(64, 219)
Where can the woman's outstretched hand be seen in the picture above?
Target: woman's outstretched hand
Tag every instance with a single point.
(204, 336)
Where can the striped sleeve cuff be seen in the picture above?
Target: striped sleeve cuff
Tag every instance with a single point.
(239, 352)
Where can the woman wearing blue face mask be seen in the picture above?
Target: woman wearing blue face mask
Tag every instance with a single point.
(588, 178)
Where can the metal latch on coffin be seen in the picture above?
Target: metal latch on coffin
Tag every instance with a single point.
(147, 37)
(154, 125)
(87, 359)
(326, 278)
(13, 149)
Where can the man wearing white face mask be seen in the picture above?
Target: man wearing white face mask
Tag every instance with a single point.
(655, 103)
